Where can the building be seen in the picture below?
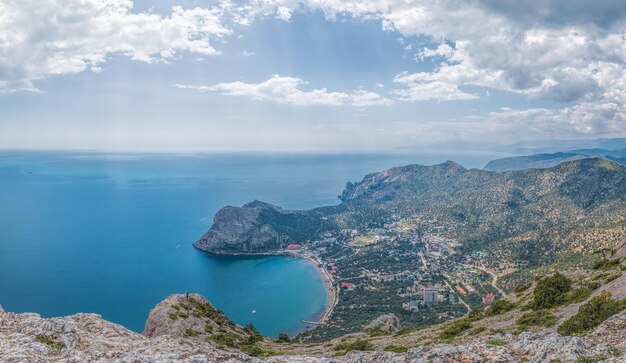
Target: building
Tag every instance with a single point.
(347, 285)
(452, 298)
(412, 305)
(489, 298)
(430, 296)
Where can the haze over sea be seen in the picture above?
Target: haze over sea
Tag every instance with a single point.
(112, 233)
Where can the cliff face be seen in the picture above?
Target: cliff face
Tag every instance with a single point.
(242, 230)
(89, 338)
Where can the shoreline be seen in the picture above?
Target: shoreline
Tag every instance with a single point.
(332, 293)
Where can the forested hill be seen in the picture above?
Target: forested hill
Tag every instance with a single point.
(531, 215)
(553, 159)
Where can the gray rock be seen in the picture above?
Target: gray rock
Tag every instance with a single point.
(388, 323)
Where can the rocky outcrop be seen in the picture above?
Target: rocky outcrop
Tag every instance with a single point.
(190, 316)
(89, 338)
(612, 331)
(243, 230)
(388, 323)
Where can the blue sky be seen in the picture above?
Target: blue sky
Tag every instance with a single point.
(284, 75)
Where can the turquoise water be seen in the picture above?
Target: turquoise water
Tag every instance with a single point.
(112, 233)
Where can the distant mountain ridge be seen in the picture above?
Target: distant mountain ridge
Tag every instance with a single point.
(531, 215)
(553, 159)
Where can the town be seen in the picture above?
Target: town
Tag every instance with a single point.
(411, 268)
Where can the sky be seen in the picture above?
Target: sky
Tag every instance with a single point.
(309, 75)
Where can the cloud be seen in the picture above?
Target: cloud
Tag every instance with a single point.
(550, 50)
(287, 91)
(580, 121)
(425, 86)
(39, 38)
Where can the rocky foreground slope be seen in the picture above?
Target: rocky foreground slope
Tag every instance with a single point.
(184, 328)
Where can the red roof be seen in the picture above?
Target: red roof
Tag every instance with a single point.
(293, 246)
(346, 285)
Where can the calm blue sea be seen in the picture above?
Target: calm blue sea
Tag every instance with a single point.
(112, 233)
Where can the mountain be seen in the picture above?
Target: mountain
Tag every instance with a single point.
(556, 145)
(530, 216)
(553, 159)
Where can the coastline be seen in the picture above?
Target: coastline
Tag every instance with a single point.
(332, 293)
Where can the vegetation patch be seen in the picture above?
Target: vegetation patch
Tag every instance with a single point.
(537, 318)
(523, 287)
(498, 342)
(396, 349)
(455, 329)
(550, 291)
(54, 344)
(589, 359)
(614, 351)
(283, 338)
(376, 332)
(359, 344)
(499, 306)
(577, 295)
(591, 314)
(224, 339)
(191, 333)
(611, 278)
(607, 264)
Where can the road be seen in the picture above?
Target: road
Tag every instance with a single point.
(494, 278)
(469, 309)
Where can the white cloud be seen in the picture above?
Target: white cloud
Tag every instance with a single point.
(287, 90)
(39, 38)
(443, 50)
(580, 121)
(425, 86)
(551, 49)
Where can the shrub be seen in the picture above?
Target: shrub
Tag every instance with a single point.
(498, 342)
(283, 338)
(611, 278)
(589, 359)
(54, 344)
(396, 349)
(550, 291)
(537, 318)
(499, 306)
(359, 344)
(475, 315)
(479, 330)
(577, 295)
(590, 315)
(523, 287)
(455, 329)
(189, 332)
(605, 264)
(614, 351)
(252, 350)
(224, 339)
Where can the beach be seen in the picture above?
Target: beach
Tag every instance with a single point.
(331, 289)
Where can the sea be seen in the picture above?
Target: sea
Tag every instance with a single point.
(112, 233)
